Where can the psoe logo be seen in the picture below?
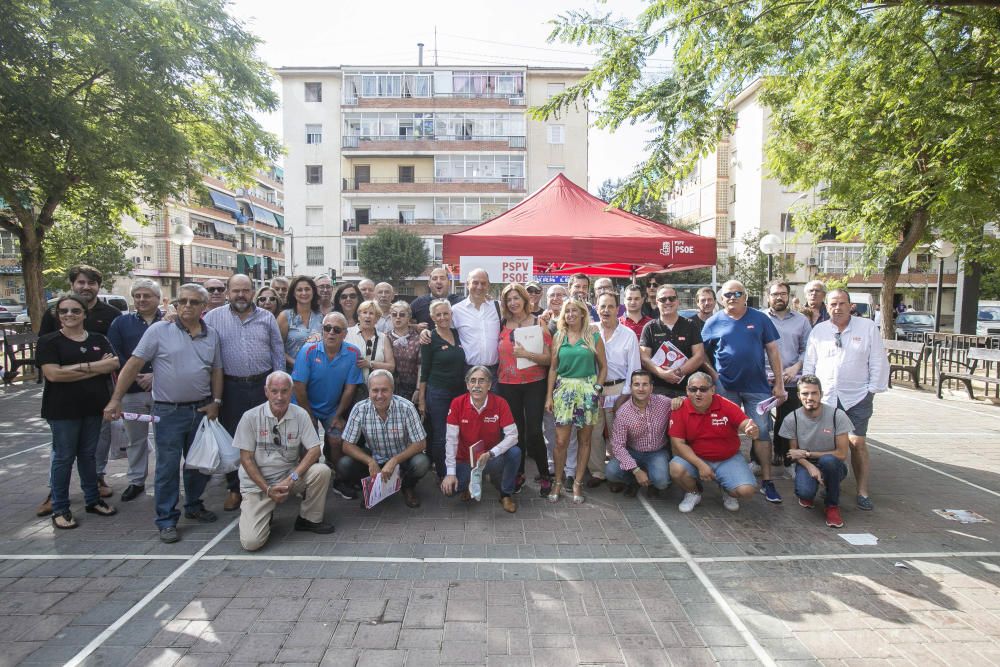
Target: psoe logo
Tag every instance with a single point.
(676, 248)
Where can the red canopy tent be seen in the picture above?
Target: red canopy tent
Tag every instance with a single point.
(569, 230)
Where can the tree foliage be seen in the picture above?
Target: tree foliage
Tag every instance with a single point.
(890, 110)
(103, 245)
(391, 255)
(103, 102)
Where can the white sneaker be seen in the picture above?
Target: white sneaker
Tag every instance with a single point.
(730, 503)
(690, 501)
(755, 468)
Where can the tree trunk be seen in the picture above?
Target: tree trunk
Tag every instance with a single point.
(912, 234)
(32, 258)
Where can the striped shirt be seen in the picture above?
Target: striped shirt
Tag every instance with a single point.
(251, 346)
(640, 431)
(388, 437)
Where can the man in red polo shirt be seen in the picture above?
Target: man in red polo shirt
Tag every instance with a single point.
(481, 416)
(704, 434)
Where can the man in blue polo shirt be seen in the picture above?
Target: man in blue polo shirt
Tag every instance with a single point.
(325, 376)
(740, 337)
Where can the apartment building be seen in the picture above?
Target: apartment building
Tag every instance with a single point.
(436, 149)
(730, 194)
(237, 229)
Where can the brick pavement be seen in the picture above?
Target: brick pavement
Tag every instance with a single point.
(600, 583)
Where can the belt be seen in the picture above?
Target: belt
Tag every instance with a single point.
(186, 404)
(249, 379)
(612, 383)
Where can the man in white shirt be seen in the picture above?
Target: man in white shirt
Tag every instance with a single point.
(847, 355)
(621, 349)
(477, 319)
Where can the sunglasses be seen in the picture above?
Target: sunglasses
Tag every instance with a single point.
(733, 295)
(215, 290)
(329, 328)
(71, 311)
(532, 290)
(189, 302)
(667, 299)
(652, 285)
(698, 390)
(266, 299)
(836, 340)
(399, 314)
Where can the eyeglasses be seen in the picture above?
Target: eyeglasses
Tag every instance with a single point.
(189, 302)
(532, 290)
(264, 299)
(215, 290)
(733, 295)
(836, 340)
(399, 315)
(348, 295)
(329, 328)
(698, 390)
(667, 299)
(71, 311)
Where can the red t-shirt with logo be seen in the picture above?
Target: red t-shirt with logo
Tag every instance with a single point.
(713, 434)
(474, 425)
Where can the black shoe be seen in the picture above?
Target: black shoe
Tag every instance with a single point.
(201, 516)
(312, 527)
(631, 490)
(344, 490)
(519, 483)
(169, 535)
(132, 492)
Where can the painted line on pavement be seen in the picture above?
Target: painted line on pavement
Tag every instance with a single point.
(850, 556)
(932, 433)
(149, 597)
(884, 448)
(733, 617)
(25, 451)
(942, 403)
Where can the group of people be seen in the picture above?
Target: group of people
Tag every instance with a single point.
(590, 389)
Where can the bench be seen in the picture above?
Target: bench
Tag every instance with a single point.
(18, 352)
(966, 372)
(905, 356)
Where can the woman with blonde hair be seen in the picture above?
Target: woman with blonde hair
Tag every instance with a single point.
(376, 350)
(576, 381)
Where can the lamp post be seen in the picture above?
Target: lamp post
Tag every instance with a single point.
(943, 249)
(290, 264)
(182, 235)
(769, 245)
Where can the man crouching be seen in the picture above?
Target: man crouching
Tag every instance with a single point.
(268, 437)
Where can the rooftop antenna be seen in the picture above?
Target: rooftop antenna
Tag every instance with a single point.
(420, 54)
(435, 46)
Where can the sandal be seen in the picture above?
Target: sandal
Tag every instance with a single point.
(555, 492)
(101, 508)
(64, 521)
(578, 492)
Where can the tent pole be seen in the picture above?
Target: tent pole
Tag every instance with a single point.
(715, 278)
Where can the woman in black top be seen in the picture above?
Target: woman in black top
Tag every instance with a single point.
(77, 366)
(442, 378)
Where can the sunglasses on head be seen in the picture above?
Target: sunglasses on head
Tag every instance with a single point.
(733, 295)
(330, 328)
(215, 290)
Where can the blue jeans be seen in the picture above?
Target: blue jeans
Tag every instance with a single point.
(237, 398)
(747, 401)
(655, 464)
(833, 470)
(174, 434)
(74, 440)
(501, 469)
(438, 402)
(411, 470)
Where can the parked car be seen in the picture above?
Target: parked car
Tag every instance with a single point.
(12, 305)
(688, 312)
(913, 325)
(118, 302)
(988, 320)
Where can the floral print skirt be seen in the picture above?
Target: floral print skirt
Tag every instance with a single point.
(574, 401)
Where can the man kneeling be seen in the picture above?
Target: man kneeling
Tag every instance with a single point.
(818, 443)
(704, 433)
(271, 469)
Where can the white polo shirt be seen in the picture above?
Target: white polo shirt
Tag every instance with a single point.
(479, 331)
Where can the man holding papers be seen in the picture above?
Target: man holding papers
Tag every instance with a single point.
(670, 347)
(481, 432)
(394, 435)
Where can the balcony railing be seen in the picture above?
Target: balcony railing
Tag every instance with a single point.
(357, 141)
(351, 225)
(514, 98)
(426, 183)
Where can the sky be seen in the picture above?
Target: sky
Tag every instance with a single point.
(386, 32)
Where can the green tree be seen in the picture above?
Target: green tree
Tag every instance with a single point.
(70, 241)
(391, 255)
(750, 265)
(106, 102)
(888, 109)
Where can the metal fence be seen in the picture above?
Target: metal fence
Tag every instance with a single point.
(952, 351)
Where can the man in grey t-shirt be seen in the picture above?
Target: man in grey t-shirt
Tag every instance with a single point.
(818, 443)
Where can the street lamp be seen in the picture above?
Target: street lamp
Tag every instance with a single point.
(182, 235)
(943, 249)
(769, 245)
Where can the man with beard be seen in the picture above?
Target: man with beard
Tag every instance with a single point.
(251, 348)
(438, 285)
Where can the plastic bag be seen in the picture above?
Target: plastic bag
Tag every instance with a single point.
(203, 454)
(118, 448)
(229, 456)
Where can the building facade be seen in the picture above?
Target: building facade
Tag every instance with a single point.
(435, 149)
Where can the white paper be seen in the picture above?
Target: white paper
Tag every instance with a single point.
(381, 490)
(768, 403)
(859, 539)
(530, 338)
(962, 516)
(669, 356)
(609, 401)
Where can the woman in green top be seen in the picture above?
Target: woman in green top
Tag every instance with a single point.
(442, 378)
(576, 381)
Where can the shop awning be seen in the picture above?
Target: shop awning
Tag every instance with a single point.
(264, 216)
(281, 220)
(224, 202)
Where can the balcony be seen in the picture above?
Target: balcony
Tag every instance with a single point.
(432, 143)
(434, 185)
(353, 226)
(439, 101)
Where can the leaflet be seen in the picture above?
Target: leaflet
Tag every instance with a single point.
(530, 338)
(375, 489)
(669, 356)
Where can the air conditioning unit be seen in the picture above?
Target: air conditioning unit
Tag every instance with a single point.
(812, 261)
(515, 101)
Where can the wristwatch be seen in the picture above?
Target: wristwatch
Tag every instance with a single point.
(217, 401)
(599, 388)
(294, 476)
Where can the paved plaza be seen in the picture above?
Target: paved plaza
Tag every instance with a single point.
(614, 581)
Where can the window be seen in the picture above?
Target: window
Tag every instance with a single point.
(732, 194)
(314, 91)
(314, 134)
(406, 174)
(314, 174)
(732, 229)
(553, 89)
(407, 215)
(314, 216)
(362, 215)
(787, 222)
(557, 134)
(434, 250)
(555, 170)
(9, 245)
(314, 255)
(350, 255)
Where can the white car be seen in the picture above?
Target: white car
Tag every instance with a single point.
(988, 321)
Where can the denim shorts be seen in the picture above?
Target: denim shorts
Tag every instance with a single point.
(730, 473)
(860, 414)
(748, 400)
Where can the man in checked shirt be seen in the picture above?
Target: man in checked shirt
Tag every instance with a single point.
(640, 455)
